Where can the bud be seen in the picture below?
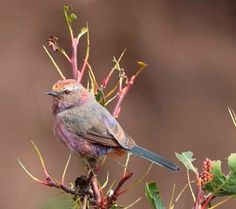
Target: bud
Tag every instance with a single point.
(206, 176)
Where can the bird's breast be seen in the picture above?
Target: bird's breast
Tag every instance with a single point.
(78, 144)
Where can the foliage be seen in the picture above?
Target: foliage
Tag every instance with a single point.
(221, 184)
(187, 158)
(210, 183)
(152, 193)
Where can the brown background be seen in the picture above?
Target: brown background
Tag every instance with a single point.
(179, 104)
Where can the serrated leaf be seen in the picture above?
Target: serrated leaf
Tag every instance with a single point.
(187, 158)
(222, 185)
(218, 178)
(152, 193)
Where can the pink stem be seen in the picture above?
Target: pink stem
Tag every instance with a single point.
(82, 70)
(104, 83)
(96, 190)
(199, 197)
(75, 72)
(117, 192)
(122, 95)
(207, 201)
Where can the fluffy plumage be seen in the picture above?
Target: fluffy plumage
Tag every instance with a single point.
(87, 128)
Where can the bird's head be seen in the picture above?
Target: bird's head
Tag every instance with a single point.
(68, 93)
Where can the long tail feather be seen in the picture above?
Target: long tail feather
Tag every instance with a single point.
(153, 157)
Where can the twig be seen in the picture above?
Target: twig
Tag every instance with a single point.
(96, 190)
(182, 191)
(105, 81)
(65, 169)
(124, 91)
(221, 202)
(126, 164)
(105, 183)
(232, 115)
(29, 174)
(41, 159)
(142, 178)
(85, 200)
(54, 63)
(74, 65)
(49, 180)
(52, 42)
(190, 187)
(207, 201)
(117, 192)
(121, 97)
(199, 195)
(69, 20)
(92, 78)
(172, 197)
(86, 57)
(132, 204)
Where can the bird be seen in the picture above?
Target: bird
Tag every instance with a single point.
(88, 128)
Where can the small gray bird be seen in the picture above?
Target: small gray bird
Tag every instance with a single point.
(87, 128)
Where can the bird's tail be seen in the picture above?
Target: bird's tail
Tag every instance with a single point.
(153, 157)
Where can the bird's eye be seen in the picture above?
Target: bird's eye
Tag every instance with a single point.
(66, 91)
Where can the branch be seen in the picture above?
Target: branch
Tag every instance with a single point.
(83, 31)
(96, 190)
(124, 91)
(54, 63)
(199, 195)
(106, 80)
(75, 71)
(117, 192)
(207, 201)
(52, 43)
(49, 181)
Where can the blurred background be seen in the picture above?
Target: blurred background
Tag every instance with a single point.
(178, 104)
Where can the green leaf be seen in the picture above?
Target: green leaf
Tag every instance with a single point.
(100, 97)
(232, 161)
(187, 158)
(69, 18)
(67, 8)
(152, 193)
(142, 64)
(83, 31)
(221, 184)
(218, 180)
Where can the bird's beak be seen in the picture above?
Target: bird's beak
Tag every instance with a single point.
(52, 93)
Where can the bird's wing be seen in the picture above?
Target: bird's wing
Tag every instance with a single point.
(102, 128)
(99, 134)
(107, 131)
